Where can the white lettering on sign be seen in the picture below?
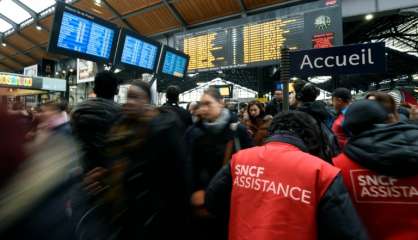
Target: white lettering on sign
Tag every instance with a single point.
(248, 177)
(363, 58)
(371, 187)
(306, 61)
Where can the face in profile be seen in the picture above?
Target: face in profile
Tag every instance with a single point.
(210, 109)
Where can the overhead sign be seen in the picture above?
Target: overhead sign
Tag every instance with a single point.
(11, 80)
(352, 59)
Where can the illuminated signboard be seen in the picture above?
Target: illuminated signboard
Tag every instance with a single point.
(16, 80)
(256, 40)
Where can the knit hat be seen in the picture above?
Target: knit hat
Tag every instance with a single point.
(363, 115)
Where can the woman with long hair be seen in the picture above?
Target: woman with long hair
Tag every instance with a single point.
(257, 122)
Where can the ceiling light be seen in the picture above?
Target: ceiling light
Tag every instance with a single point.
(63, 71)
(71, 70)
(4, 44)
(117, 70)
(98, 3)
(39, 28)
(56, 73)
(369, 17)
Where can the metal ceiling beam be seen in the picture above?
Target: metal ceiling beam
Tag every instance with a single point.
(242, 7)
(117, 14)
(26, 8)
(175, 13)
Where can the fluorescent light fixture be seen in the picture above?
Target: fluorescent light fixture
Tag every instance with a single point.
(369, 17)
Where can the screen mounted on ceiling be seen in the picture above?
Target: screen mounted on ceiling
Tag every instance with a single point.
(76, 33)
(173, 63)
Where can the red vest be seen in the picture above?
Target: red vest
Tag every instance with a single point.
(276, 191)
(337, 128)
(388, 206)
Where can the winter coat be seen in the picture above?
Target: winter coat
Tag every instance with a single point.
(259, 128)
(91, 120)
(388, 153)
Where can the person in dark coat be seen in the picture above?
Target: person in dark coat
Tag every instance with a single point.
(292, 141)
(275, 106)
(92, 119)
(145, 183)
(305, 101)
(387, 151)
(172, 104)
(211, 142)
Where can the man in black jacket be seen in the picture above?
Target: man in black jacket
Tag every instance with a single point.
(275, 106)
(172, 104)
(293, 136)
(92, 119)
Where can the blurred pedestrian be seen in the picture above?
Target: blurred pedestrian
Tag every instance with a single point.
(258, 122)
(380, 169)
(388, 103)
(282, 190)
(92, 119)
(145, 184)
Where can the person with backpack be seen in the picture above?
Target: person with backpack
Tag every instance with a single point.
(172, 104)
(305, 101)
(211, 142)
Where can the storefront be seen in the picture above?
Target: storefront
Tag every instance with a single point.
(29, 91)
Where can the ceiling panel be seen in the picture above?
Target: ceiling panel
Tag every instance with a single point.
(11, 63)
(124, 7)
(35, 35)
(251, 4)
(19, 42)
(96, 10)
(195, 11)
(158, 20)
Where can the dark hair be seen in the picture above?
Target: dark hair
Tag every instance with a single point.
(106, 85)
(213, 92)
(386, 101)
(172, 94)
(301, 125)
(242, 105)
(260, 106)
(306, 91)
(144, 86)
(342, 93)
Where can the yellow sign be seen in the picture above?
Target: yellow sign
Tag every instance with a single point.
(14, 80)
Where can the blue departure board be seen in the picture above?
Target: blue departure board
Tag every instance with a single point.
(84, 36)
(139, 53)
(174, 64)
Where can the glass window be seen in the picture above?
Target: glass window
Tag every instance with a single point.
(38, 5)
(13, 11)
(4, 26)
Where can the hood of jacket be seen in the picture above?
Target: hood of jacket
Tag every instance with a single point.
(316, 109)
(387, 149)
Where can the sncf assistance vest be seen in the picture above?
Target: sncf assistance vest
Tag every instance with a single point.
(388, 206)
(276, 191)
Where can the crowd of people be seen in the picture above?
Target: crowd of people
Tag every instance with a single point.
(348, 170)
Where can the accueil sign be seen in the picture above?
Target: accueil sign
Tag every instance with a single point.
(351, 59)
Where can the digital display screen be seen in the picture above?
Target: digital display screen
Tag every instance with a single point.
(257, 39)
(84, 36)
(139, 53)
(174, 64)
(76, 33)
